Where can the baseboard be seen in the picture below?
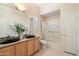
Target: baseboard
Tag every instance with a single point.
(71, 53)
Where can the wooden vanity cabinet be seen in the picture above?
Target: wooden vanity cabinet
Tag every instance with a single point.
(21, 49)
(7, 51)
(25, 48)
(30, 47)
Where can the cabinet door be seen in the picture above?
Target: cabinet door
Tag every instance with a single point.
(21, 49)
(37, 44)
(30, 47)
(7, 51)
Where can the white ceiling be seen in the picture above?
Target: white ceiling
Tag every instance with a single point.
(57, 12)
(45, 4)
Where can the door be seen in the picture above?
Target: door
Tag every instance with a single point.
(8, 51)
(31, 47)
(21, 49)
(68, 27)
(37, 44)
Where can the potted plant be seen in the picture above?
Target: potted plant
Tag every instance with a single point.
(19, 29)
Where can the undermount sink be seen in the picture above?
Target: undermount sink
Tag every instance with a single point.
(6, 40)
(29, 36)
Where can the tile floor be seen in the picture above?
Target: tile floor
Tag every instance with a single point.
(53, 49)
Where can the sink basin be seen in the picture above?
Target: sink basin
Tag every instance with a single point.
(6, 40)
(29, 36)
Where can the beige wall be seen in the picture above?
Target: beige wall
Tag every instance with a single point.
(77, 24)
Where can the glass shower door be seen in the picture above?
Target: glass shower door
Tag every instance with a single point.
(51, 31)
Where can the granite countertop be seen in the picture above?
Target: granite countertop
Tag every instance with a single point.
(22, 40)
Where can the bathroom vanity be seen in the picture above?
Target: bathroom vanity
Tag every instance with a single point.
(23, 47)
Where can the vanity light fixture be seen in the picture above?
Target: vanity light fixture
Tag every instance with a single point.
(20, 7)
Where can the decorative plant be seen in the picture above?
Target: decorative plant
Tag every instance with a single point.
(19, 29)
